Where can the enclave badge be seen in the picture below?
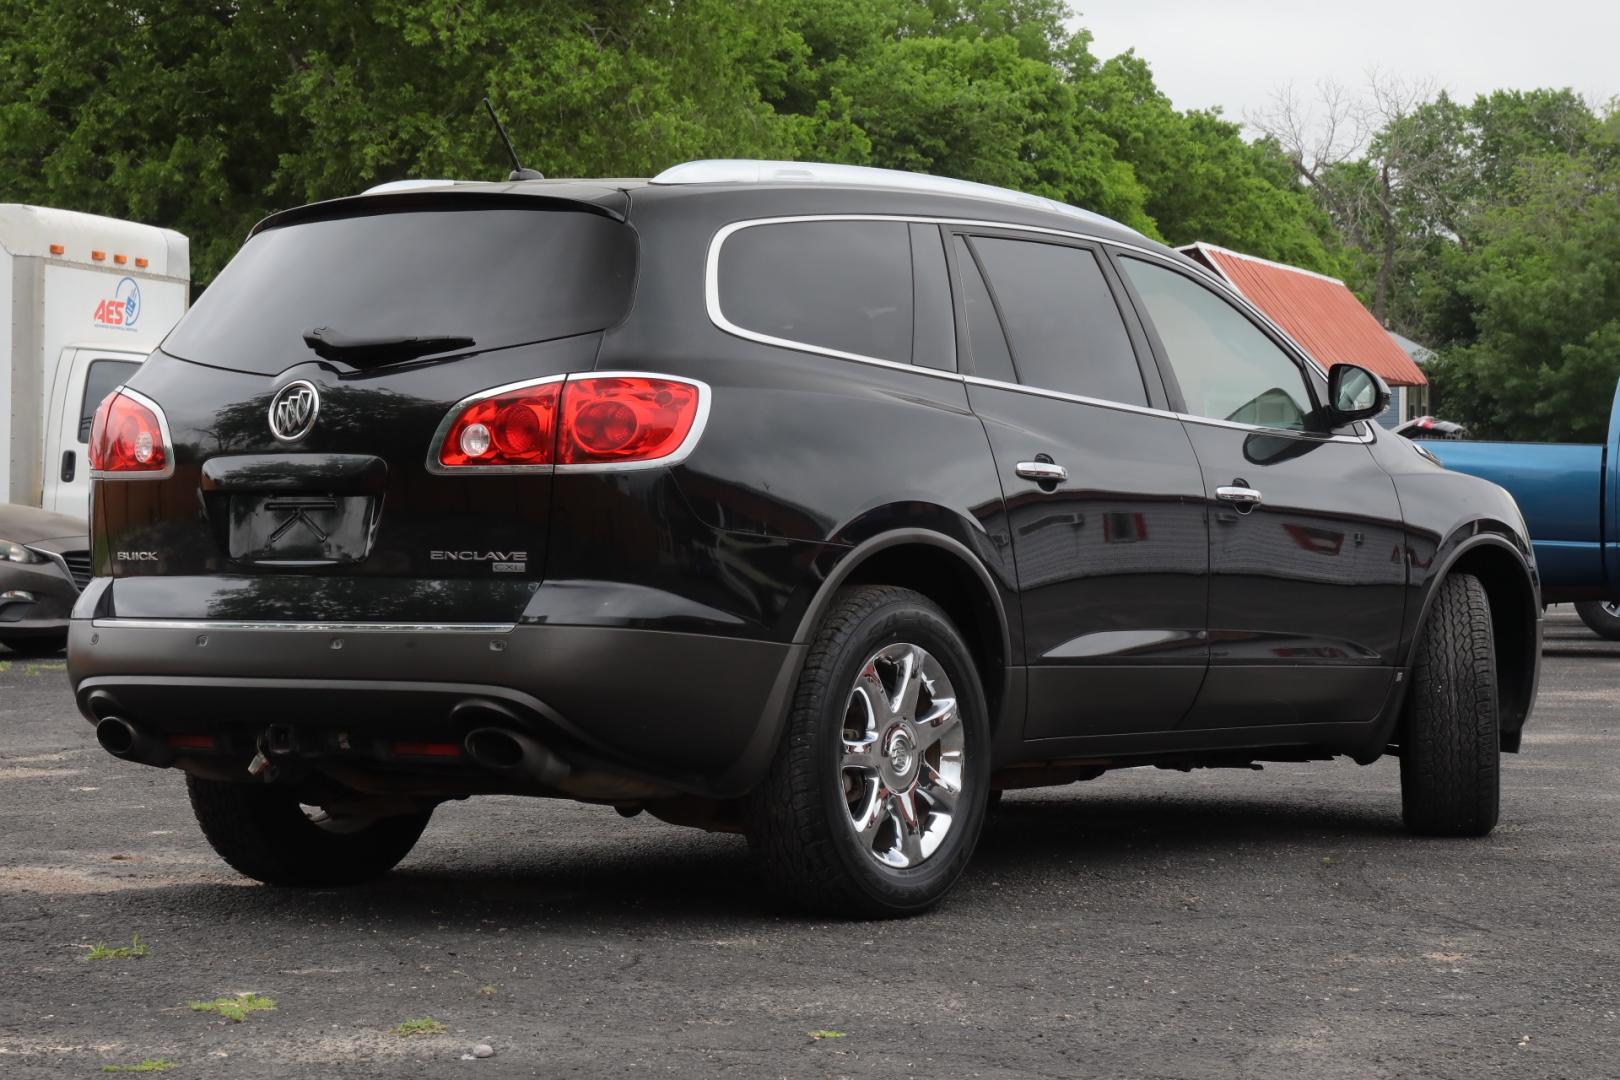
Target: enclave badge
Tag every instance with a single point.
(293, 410)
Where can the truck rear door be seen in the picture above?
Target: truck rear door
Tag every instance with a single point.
(84, 377)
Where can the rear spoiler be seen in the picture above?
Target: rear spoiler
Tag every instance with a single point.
(609, 201)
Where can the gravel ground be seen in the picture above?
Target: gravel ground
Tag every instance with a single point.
(1148, 924)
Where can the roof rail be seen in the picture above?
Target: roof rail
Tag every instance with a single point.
(405, 185)
(749, 171)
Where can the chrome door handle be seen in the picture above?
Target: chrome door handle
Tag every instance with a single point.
(1246, 498)
(1044, 471)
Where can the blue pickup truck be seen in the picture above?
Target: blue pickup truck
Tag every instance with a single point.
(1570, 497)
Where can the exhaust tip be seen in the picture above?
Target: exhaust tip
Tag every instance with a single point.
(494, 748)
(116, 735)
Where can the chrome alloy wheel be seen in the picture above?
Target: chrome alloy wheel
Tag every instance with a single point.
(902, 762)
(1611, 608)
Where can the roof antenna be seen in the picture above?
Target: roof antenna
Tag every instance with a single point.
(518, 171)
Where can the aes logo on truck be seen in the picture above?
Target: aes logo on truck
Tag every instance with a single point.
(121, 310)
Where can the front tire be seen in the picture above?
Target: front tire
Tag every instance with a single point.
(1602, 617)
(1451, 746)
(876, 797)
(262, 831)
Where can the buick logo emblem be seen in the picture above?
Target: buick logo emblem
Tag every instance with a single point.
(293, 410)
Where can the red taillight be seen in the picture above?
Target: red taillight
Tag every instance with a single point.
(589, 420)
(518, 427)
(624, 418)
(192, 742)
(127, 437)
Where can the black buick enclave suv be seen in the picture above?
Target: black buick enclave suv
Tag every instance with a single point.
(815, 503)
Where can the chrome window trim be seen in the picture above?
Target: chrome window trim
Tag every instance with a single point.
(674, 457)
(717, 316)
(1037, 391)
(310, 627)
(163, 431)
(711, 290)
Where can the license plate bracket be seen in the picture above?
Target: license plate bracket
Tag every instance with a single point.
(296, 529)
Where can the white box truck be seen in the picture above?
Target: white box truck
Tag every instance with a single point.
(85, 299)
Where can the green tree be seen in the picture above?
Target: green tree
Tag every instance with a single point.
(1203, 181)
(1543, 281)
(204, 117)
(976, 91)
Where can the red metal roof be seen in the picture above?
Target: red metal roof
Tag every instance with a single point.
(1317, 311)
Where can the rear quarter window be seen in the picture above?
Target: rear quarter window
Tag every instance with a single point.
(840, 285)
(496, 275)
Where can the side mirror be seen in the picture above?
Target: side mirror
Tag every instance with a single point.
(1354, 393)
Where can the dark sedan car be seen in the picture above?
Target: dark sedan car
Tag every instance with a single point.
(813, 503)
(44, 562)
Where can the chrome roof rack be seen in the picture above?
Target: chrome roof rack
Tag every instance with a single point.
(749, 171)
(406, 185)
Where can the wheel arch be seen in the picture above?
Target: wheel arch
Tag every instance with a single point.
(947, 572)
(1510, 586)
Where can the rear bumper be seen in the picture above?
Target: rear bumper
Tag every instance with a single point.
(696, 713)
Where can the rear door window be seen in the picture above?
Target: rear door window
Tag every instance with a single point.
(500, 275)
(1065, 328)
(933, 343)
(839, 285)
(991, 360)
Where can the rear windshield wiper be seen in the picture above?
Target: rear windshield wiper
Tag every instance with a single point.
(367, 351)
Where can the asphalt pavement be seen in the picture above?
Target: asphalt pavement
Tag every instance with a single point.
(1148, 924)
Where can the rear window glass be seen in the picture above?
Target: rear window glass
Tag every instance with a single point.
(843, 285)
(498, 276)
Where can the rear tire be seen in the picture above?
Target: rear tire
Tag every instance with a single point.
(876, 797)
(1601, 617)
(1451, 746)
(263, 832)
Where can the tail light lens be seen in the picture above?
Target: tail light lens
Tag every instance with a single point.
(618, 418)
(588, 421)
(128, 437)
(517, 427)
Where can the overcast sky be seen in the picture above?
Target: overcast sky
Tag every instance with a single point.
(1235, 53)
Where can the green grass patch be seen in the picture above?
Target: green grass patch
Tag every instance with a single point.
(425, 1025)
(149, 1065)
(134, 949)
(235, 1007)
(29, 668)
(819, 1035)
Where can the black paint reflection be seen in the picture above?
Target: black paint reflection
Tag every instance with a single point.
(1110, 563)
(1305, 608)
